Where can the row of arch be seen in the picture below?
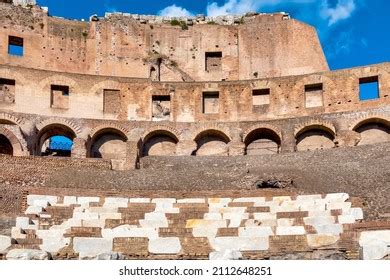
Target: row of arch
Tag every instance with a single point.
(110, 143)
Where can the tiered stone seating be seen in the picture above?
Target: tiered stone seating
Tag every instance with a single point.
(168, 228)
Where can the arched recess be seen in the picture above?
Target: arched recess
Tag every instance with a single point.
(9, 143)
(315, 137)
(55, 139)
(373, 131)
(159, 143)
(262, 141)
(108, 143)
(9, 119)
(212, 143)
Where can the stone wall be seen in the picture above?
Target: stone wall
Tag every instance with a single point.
(128, 46)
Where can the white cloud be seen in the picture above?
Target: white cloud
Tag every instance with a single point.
(341, 11)
(238, 7)
(175, 11)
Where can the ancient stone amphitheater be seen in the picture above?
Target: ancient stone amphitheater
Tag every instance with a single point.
(142, 137)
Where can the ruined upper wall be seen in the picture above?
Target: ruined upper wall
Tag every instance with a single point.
(252, 46)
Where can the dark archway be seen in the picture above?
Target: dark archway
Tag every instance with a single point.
(262, 141)
(212, 143)
(55, 140)
(160, 143)
(373, 131)
(315, 138)
(5, 146)
(108, 143)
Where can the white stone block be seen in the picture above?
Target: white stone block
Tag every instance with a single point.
(357, 213)
(91, 247)
(294, 230)
(85, 216)
(334, 229)
(221, 201)
(17, 232)
(5, 243)
(93, 223)
(209, 232)
(54, 244)
(33, 210)
(285, 222)
(165, 246)
(346, 219)
(27, 254)
(264, 216)
(212, 216)
(319, 220)
(250, 199)
(70, 200)
(345, 206)
(281, 199)
(44, 216)
(22, 222)
(337, 197)
(130, 231)
(40, 203)
(375, 250)
(111, 216)
(86, 200)
(116, 202)
(155, 216)
(321, 213)
(49, 198)
(235, 218)
(255, 232)
(367, 237)
(154, 223)
(191, 200)
(262, 223)
(139, 200)
(164, 200)
(311, 197)
(167, 210)
(225, 255)
(321, 240)
(240, 243)
(206, 223)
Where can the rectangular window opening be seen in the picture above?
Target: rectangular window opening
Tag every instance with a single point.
(161, 107)
(210, 102)
(261, 97)
(369, 88)
(314, 95)
(111, 101)
(213, 61)
(59, 97)
(15, 46)
(7, 91)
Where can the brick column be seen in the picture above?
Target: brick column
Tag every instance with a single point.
(236, 148)
(185, 148)
(79, 149)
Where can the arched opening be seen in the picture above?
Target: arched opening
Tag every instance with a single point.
(262, 141)
(108, 144)
(373, 132)
(5, 146)
(160, 143)
(55, 140)
(212, 143)
(315, 138)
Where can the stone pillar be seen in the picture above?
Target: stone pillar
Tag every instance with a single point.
(347, 138)
(236, 148)
(79, 149)
(288, 144)
(185, 148)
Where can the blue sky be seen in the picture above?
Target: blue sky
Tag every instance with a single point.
(352, 32)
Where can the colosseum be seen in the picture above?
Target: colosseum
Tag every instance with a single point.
(144, 137)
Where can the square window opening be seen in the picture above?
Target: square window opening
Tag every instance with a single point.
(213, 61)
(314, 95)
(161, 107)
(15, 46)
(59, 97)
(111, 101)
(369, 88)
(210, 102)
(261, 97)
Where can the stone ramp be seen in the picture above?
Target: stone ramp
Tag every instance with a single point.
(276, 227)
